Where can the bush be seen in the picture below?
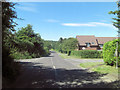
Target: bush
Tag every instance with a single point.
(46, 51)
(20, 55)
(10, 69)
(87, 53)
(109, 49)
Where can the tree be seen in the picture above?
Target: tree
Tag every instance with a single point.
(8, 16)
(69, 45)
(26, 40)
(116, 21)
(9, 69)
(50, 44)
(61, 39)
(66, 45)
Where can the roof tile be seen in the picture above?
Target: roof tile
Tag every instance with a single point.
(83, 39)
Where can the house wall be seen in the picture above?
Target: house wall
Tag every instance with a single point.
(89, 48)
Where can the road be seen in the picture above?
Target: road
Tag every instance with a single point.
(55, 72)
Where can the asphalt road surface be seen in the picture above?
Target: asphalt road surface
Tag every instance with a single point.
(55, 72)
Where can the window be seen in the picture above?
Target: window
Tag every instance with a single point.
(101, 45)
(88, 44)
(93, 43)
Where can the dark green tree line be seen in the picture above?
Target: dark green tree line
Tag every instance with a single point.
(50, 44)
(66, 45)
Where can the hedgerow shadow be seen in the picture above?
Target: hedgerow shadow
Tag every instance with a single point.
(33, 76)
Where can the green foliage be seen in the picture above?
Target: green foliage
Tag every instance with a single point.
(20, 55)
(100, 67)
(69, 44)
(87, 53)
(61, 40)
(28, 44)
(50, 44)
(66, 45)
(116, 21)
(8, 14)
(109, 49)
(9, 68)
(23, 44)
(47, 52)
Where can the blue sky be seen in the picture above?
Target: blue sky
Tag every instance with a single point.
(53, 20)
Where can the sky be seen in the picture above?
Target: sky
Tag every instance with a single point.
(63, 0)
(53, 20)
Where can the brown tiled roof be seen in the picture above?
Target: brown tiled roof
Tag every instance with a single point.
(83, 39)
(102, 40)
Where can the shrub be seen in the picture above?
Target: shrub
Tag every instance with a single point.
(10, 69)
(109, 49)
(19, 55)
(87, 53)
(46, 51)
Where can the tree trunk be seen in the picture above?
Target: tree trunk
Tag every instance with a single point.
(69, 52)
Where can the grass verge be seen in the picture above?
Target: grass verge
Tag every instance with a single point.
(100, 67)
(65, 56)
(112, 74)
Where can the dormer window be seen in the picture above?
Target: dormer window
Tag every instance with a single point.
(88, 44)
(93, 43)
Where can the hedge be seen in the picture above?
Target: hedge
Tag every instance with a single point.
(109, 49)
(87, 53)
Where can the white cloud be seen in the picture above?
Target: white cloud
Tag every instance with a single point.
(27, 7)
(30, 9)
(90, 24)
(101, 24)
(76, 24)
(52, 20)
(105, 24)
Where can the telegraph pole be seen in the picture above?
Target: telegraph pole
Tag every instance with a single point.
(117, 55)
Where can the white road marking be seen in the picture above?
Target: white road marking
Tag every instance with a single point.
(54, 67)
(52, 61)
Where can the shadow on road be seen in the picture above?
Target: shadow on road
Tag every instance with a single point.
(45, 77)
(50, 56)
(52, 52)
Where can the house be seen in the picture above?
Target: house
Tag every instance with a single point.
(90, 42)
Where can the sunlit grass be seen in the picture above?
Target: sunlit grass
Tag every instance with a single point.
(90, 64)
(100, 67)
